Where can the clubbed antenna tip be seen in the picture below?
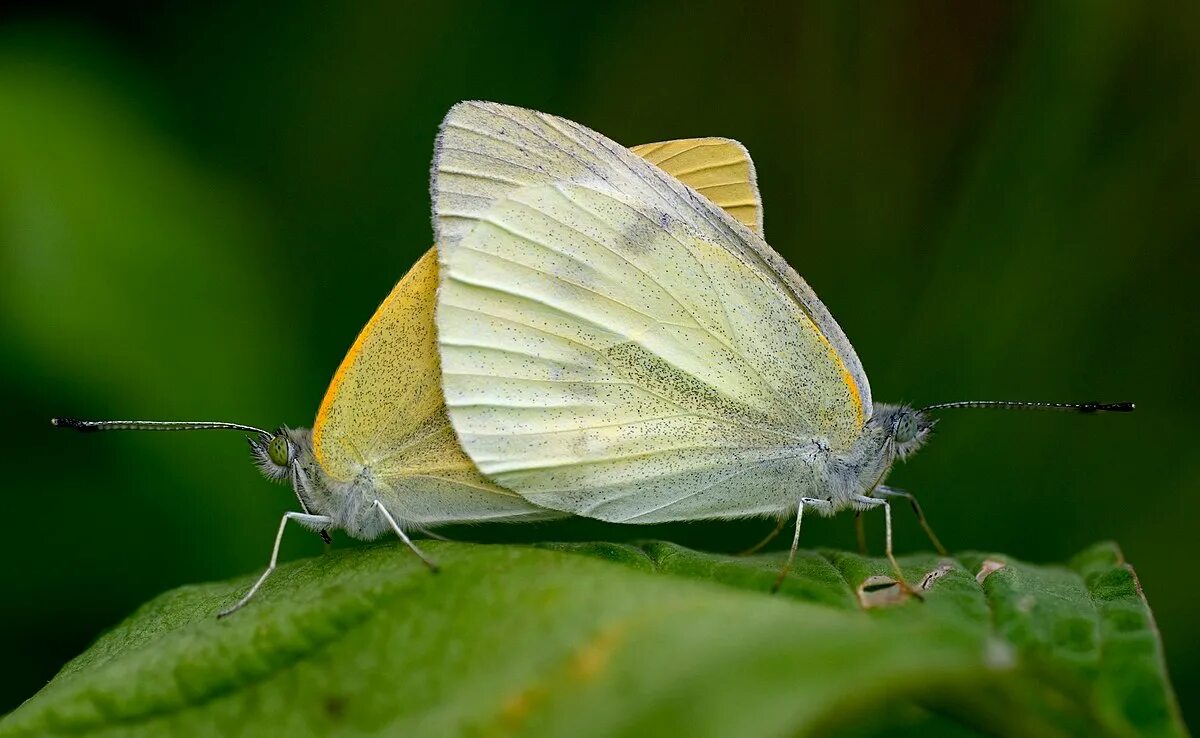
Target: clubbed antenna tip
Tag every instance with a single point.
(78, 425)
(1107, 407)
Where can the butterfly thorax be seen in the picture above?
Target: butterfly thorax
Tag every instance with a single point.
(348, 502)
(892, 432)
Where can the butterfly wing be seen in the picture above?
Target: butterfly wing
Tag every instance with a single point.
(718, 168)
(485, 151)
(601, 356)
(383, 412)
(384, 409)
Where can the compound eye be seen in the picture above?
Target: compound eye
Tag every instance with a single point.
(277, 449)
(906, 428)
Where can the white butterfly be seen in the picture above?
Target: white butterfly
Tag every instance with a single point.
(614, 345)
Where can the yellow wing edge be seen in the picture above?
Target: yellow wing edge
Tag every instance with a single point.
(428, 260)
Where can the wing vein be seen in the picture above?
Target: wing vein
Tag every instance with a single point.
(705, 167)
(692, 492)
(639, 455)
(602, 426)
(604, 246)
(543, 331)
(500, 140)
(509, 162)
(589, 290)
(480, 175)
(783, 403)
(695, 145)
(413, 442)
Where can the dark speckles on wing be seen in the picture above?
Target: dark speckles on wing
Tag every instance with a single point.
(649, 371)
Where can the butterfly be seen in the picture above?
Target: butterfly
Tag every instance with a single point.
(381, 455)
(616, 345)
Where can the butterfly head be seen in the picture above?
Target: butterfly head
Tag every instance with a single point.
(909, 429)
(274, 453)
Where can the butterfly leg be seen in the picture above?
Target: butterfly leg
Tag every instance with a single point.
(435, 536)
(316, 521)
(787, 566)
(869, 502)
(885, 491)
(860, 532)
(433, 567)
(770, 537)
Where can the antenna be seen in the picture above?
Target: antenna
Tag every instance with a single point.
(1067, 407)
(92, 426)
(88, 426)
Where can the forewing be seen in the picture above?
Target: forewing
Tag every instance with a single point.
(601, 357)
(383, 412)
(718, 168)
(485, 151)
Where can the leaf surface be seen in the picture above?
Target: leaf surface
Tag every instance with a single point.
(608, 639)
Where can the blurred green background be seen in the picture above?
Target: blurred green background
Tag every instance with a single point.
(201, 204)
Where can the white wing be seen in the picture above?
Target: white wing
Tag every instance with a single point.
(600, 356)
(485, 151)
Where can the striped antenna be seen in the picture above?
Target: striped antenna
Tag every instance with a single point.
(88, 426)
(1067, 407)
(91, 426)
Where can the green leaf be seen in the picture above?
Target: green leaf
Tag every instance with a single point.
(606, 639)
